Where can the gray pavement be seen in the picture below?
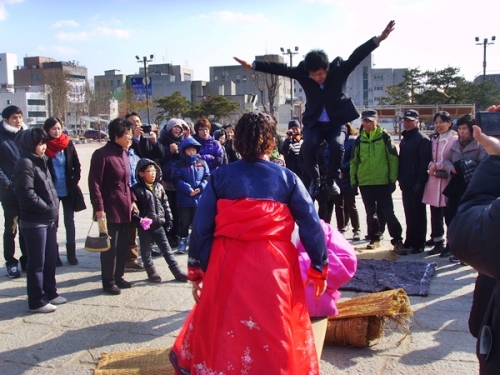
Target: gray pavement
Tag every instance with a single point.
(71, 340)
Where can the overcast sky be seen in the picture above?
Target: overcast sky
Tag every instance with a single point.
(107, 34)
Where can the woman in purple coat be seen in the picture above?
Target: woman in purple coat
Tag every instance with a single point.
(109, 189)
(211, 150)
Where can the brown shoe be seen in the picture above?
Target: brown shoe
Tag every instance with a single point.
(134, 266)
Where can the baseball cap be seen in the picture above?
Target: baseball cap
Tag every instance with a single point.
(369, 114)
(411, 114)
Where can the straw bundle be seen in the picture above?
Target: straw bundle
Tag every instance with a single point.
(135, 362)
(363, 319)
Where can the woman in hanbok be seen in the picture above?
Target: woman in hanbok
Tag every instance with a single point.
(250, 316)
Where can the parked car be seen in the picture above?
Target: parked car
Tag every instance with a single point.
(93, 134)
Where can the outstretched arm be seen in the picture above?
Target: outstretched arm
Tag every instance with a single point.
(244, 63)
(388, 29)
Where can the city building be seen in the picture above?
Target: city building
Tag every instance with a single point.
(32, 101)
(8, 62)
(495, 77)
(112, 80)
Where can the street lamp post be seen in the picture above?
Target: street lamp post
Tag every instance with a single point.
(146, 79)
(290, 53)
(485, 43)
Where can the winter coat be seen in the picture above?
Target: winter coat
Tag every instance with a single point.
(433, 192)
(211, 151)
(290, 149)
(375, 159)
(232, 154)
(9, 154)
(473, 237)
(189, 173)
(38, 201)
(144, 148)
(151, 203)
(414, 158)
(166, 139)
(344, 183)
(473, 151)
(331, 97)
(341, 268)
(109, 183)
(72, 171)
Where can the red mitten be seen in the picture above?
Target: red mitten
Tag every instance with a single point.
(318, 279)
(195, 274)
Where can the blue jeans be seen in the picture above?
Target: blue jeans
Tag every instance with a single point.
(313, 136)
(160, 238)
(69, 219)
(41, 245)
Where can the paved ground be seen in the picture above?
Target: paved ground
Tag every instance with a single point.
(71, 340)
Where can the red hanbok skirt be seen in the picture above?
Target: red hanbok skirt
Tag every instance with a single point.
(252, 317)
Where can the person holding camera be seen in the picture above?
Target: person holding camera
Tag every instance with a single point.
(473, 236)
(144, 145)
(290, 148)
(442, 140)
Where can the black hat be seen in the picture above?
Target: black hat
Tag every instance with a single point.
(369, 114)
(411, 114)
(293, 123)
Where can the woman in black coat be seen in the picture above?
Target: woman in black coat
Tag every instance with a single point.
(38, 211)
(65, 169)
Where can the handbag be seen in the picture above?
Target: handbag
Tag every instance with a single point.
(441, 174)
(100, 243)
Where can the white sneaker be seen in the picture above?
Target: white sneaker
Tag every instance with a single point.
(48, 308)
(58, 300)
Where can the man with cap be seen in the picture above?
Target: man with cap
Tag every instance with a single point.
(374, 168)
(328, 108)
(290, 148)
(415, 154)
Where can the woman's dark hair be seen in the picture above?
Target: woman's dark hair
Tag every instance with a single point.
(50, 122)
(38, 136)
(202, 123)
(445, 116)
(254, 135)
(468, 120)
(118, 127)
(316, 60)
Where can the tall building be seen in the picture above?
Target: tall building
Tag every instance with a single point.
(112, 80)
(32, 101)
(8, 62)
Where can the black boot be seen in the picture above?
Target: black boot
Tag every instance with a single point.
(153, 276)
(178, 274)
(446, 252)
(71, 254)
(437, 249)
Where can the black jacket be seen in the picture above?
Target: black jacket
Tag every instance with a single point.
(37, 196)
(73, 174)
(9, 154)
(146, 149)
(338, 105)
(151, 204)
(415, 154)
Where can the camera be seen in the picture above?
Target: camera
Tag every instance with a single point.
(489, 122)
(146, 129)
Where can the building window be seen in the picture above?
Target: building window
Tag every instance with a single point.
(378, 76)
(244, 79)
(36, 77)
(216, 78)
(118, 82)
(238, 78)
(187, 77)
(36, 102)
(96, 84)
(37, 114)
(9, 102)
(378, 88)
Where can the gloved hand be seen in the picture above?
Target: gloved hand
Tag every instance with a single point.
(169, 225)
(146, 223)
(418, 189)
(392, 186)
(318, 279)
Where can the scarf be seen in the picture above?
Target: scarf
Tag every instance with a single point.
(465, 141)
(56, 144)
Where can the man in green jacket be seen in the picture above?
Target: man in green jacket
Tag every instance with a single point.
(374, 168)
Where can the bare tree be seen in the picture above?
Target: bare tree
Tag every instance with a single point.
(268, 84)
(58, 88)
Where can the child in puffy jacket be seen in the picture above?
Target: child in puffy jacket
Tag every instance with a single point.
(341, 268)
(190, 175)
(154, 213)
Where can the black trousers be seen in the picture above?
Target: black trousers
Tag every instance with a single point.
(186, 216)
(313, 136)
(345, 210)
(113, 260)
(11, 219)
(380, 197)
(438, 216)
(416, 218)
